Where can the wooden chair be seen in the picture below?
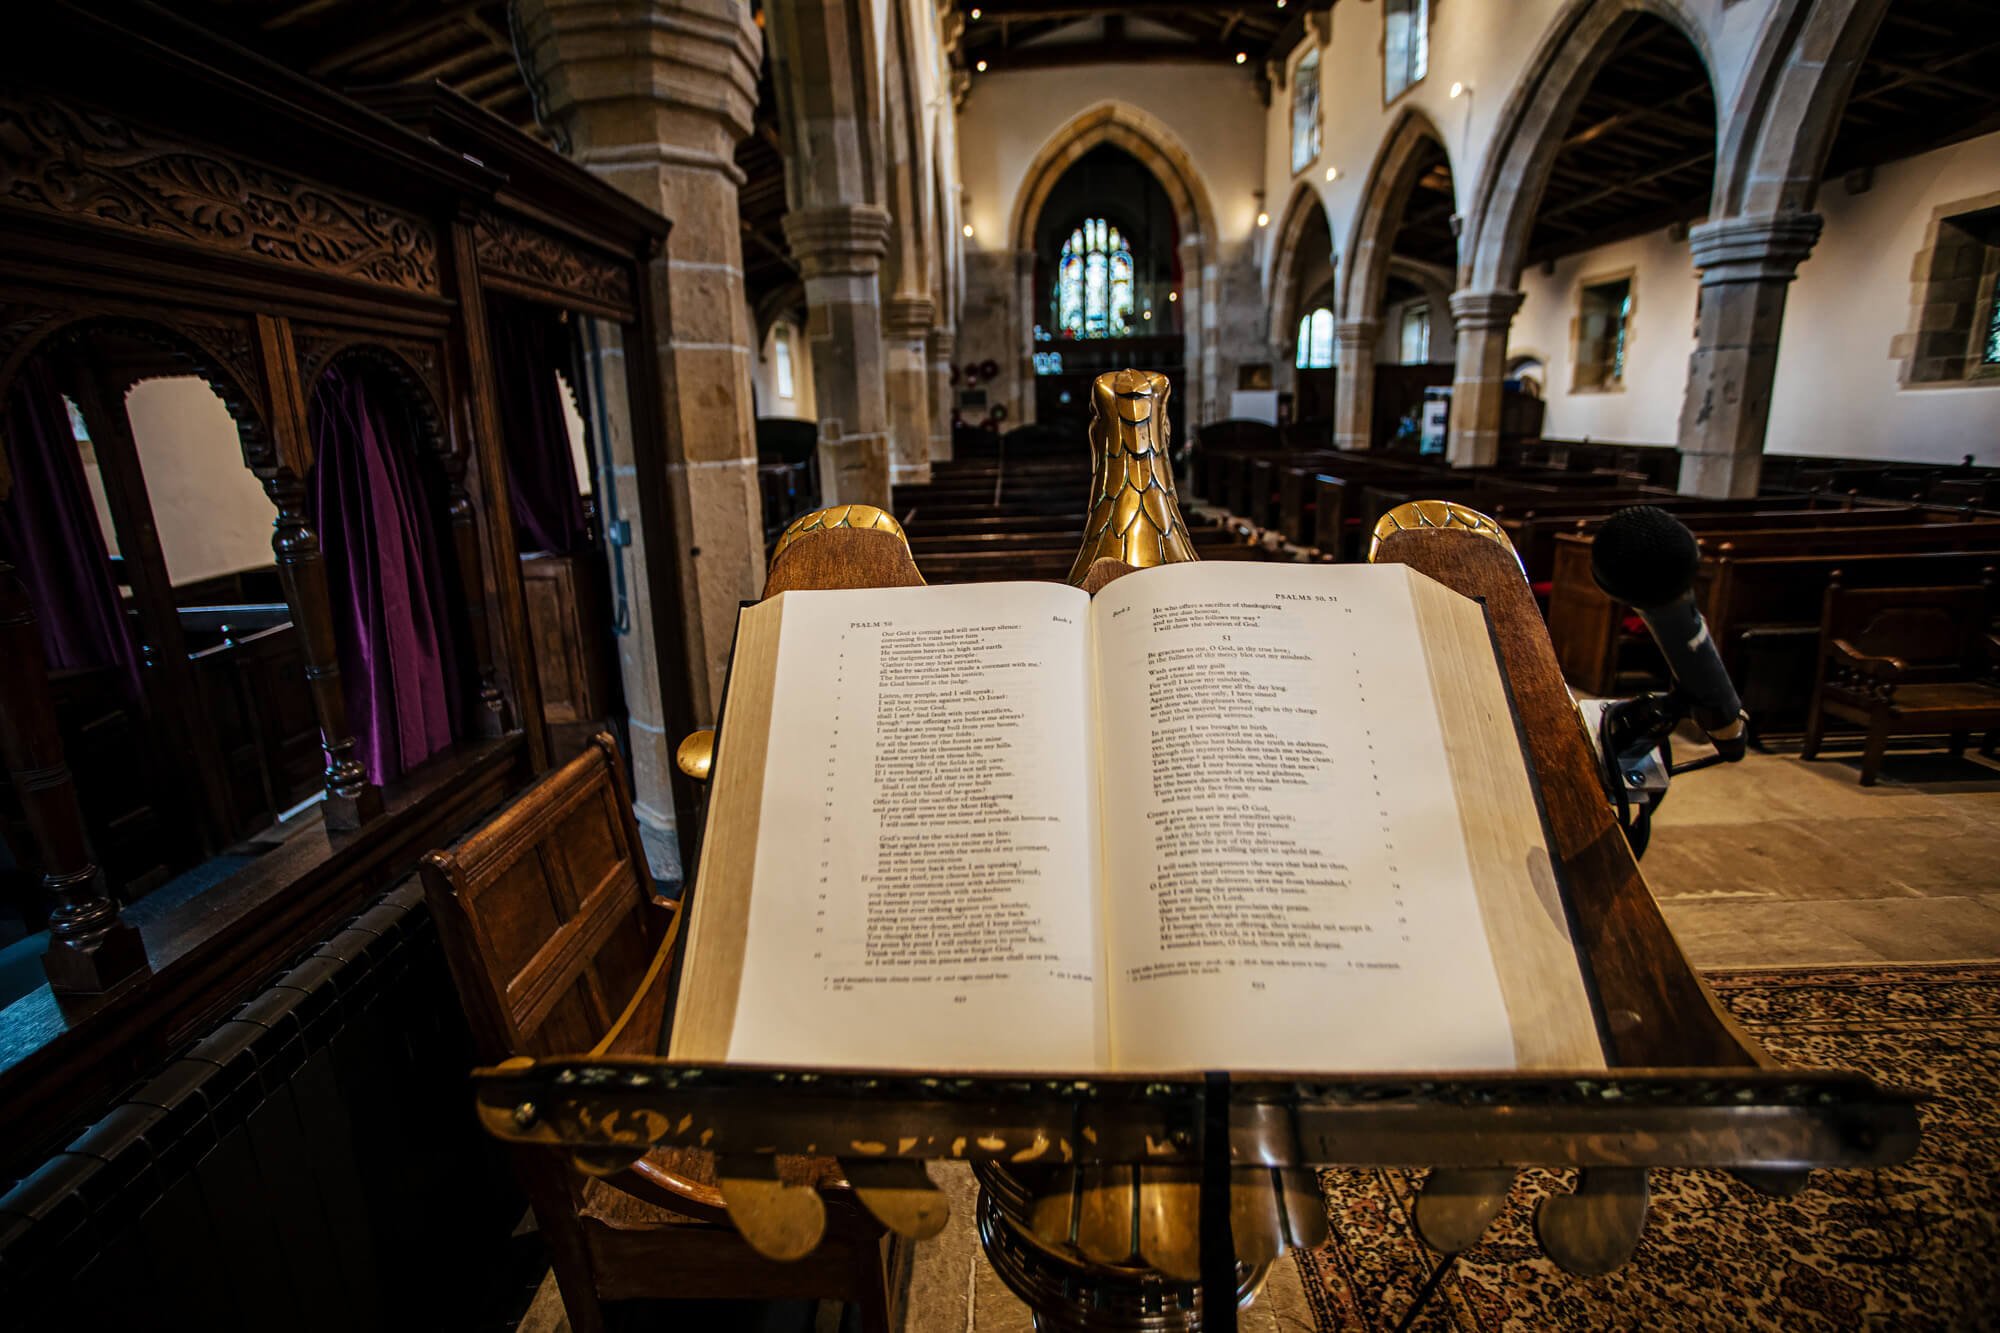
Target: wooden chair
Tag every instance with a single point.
(559, 946)
(1904, 661)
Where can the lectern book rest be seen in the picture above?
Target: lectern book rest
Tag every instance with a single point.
(1223, 816)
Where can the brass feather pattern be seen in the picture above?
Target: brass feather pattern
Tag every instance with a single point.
(837, 516)
(1134, 514)
(1414, 515)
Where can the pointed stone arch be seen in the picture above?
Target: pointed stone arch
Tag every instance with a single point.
(1801, 72)
(1500, 216)
(1365, 275)
(1161, 153)
(1285, 299)
(1501, 212)
(1413, 142)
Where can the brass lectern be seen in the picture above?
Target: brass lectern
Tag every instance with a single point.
(1141, 1202)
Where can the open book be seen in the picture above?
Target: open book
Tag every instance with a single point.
(1221, 816)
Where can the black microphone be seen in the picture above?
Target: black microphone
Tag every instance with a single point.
(1647, 558)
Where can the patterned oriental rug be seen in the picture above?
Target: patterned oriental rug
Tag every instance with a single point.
(1912, 1247)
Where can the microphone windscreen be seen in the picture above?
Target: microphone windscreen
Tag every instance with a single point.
(1644, 556)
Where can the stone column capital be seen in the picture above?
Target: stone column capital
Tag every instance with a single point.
(1484, 310)
(908, 316)
(943, 343)
(605, 71)
(1355, 332)
(844, 240)
(1753, 249)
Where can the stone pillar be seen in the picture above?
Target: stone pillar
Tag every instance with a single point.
(942, 344)
(839, 251)
(1197, 319)
(653, 96)
(906, 324)
(1482, 319)
(1746, 266)
(1031, 313)
(1354, 383)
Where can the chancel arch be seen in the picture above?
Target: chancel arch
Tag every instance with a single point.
(1403, 229)
(1609, 134)
(1143, 139)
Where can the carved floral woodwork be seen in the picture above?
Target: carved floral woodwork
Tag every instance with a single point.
(81, 163)
(510, 248)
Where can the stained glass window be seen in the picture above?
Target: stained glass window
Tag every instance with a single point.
(1094, 283)
(1316, 340)
(1305, 111)
(1991, 357)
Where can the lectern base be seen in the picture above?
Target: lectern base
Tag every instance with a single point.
(1071, 1294)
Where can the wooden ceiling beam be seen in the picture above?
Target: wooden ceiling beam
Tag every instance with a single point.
(1931, 79)
(1070, 54)
(390, 39)
(285, 18)
(1550, 211)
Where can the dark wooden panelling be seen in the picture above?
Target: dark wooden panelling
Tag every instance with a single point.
(313, 1163)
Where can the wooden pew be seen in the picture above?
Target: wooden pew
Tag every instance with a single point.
(1758, 581)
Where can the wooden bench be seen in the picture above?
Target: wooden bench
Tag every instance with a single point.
(1907, 661)
(1744, 593)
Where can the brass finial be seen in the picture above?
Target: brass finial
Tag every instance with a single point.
(1134, 514)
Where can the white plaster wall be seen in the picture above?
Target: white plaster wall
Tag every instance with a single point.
(1838, 388)
(1658, 341)
(212, 515)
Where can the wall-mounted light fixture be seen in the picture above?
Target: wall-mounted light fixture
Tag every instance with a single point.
(1173, 296)
(1459, 90)
(1333, 173)
(981, 67)
(1242, 56)
(975, 15)
(967, 230)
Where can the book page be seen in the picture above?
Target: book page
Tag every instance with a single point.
(925, 889)
(1287, 882)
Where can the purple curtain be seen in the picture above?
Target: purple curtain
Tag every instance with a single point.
(530, 342)
(49, 533)
(386, 571)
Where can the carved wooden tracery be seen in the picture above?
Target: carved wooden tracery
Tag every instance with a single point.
(77, 162)
(540, 264)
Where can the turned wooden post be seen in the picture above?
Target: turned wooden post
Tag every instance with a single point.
(90, 948)
(491, 716)
(351, 799)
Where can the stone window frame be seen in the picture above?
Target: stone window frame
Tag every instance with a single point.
(1949, 311)
(1630, 277)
